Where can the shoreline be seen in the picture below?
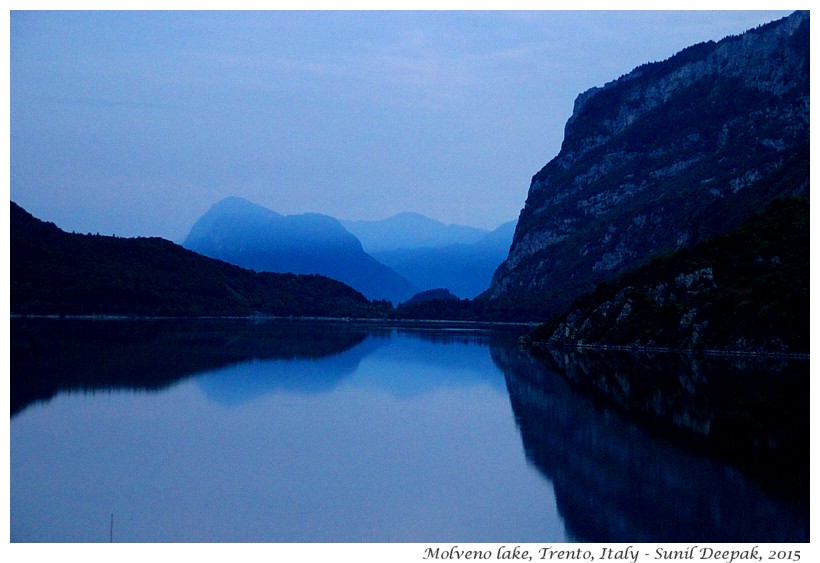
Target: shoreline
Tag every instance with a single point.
(293, 318)
(524, 339)
(660, 349)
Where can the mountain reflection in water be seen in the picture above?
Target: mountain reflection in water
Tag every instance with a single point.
(612, 481)
(49, 356)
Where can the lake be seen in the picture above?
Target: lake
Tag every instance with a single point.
(296, 431)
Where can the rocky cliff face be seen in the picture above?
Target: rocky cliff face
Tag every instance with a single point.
(671, 154)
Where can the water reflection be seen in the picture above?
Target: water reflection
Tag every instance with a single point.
(250, 380)
(417, 431)
(50, 356)
(400, 435)
(616, 483)
(751, 411)
(233, 360)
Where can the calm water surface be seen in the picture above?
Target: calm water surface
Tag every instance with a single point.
(320, 432)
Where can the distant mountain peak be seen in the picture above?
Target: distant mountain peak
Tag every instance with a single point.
(413, 215)
(235, 204)
(411, 230)
(249, 235)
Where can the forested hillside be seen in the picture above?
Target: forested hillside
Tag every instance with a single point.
(747, 290)
(54, 272)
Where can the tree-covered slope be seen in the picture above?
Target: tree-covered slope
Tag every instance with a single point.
(54, 272)
(747, 290)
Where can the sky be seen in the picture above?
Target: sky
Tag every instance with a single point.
(135, 123)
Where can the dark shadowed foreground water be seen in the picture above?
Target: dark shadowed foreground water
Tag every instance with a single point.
(240, 431)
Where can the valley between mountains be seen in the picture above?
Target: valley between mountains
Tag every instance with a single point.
(690, 175)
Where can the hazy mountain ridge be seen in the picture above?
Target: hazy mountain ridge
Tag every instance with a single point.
(236, 225)
(251, 236)
(668, 155)
(391, 259)
(410, 230)
(464, 268)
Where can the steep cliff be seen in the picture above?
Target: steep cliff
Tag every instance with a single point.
(671, 154)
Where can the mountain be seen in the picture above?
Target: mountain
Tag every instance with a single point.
(430, 295)
(410, 230)
(251, 236)
(466, 269)
(695, 298)
(54, 272)
(666, 156)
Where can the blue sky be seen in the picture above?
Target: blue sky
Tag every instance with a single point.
(135, 123)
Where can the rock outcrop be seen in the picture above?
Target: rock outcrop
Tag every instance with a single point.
(696, 298)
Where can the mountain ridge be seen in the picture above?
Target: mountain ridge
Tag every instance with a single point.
(396, 257)
(251, 236)
(57, 273)
(409, 229)
(464, 268)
